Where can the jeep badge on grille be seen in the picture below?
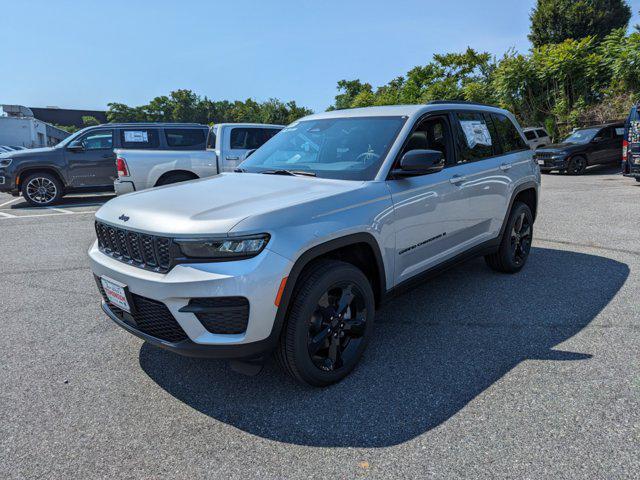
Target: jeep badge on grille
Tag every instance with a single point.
(123, 217)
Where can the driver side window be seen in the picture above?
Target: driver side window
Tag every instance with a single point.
(96, 140)
(431, 134)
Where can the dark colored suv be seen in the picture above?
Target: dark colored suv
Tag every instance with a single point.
(631, 145)
(597, 145)
(85, 161)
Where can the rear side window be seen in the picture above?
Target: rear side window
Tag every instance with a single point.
(542, 133)
(139, 138)
(530, 135)
(211, 139)
(475, 139)
(508, 134)
(250, 138)
(193, 138)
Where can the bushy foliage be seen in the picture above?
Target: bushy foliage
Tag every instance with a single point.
(187, 106)
(565, 84)
(554, 21)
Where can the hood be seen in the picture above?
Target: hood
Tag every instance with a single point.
(216, 204)
(555, 147)
(28, 152)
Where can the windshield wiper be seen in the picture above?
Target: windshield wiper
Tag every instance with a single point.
(290, 172)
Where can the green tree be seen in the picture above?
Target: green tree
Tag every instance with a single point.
(553, 21)
(89, 120)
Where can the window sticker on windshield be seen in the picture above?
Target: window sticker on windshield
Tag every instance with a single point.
(135, 136)
(477, 133)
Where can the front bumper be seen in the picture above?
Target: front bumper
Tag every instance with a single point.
(555, 163)
(256, 279)
(632, 168)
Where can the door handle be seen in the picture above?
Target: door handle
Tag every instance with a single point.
(506, 166)
(456, 179)
(232, 159)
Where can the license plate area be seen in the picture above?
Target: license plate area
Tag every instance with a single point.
(117, 293)
(540, 162)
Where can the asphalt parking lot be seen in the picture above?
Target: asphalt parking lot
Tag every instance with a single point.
(473, 374)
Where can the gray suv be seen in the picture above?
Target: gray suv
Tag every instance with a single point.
(294, 251)
(85, 161)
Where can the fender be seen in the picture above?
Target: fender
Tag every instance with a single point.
(313, 253)
(41, 167)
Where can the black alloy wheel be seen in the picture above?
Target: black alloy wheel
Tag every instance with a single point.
(577, 166)
(337, 327)
(515, 243)
(521, 239)
(329, 323)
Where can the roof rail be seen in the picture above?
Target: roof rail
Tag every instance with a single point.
(153, 124)
(459, 102)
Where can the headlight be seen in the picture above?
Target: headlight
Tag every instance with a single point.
(5, 162)
(241, 247)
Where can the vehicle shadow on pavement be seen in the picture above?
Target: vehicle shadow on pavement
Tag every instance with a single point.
(434, 350)
(66, 202)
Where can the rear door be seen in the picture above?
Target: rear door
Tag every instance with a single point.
(90, 159)
(605, 146)
(483, 172)
(237, 141)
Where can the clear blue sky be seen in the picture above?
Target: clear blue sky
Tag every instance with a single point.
(86, 54)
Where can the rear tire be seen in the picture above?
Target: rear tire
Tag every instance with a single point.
(577, 165)
(41, 189)
(329, 324)
(516, 241)
(175, 178)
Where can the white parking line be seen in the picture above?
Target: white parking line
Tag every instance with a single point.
(61, 210)
(10, 201)
(66, 214)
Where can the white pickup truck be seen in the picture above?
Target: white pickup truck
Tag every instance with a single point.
(227, 146)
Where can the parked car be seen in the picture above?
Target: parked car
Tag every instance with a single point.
(227, 145)
(6, 149)
(335, 214)
(85, 161)
(536, 137)
(597, 145)
(631, 145)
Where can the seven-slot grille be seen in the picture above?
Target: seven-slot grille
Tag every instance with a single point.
(144, 251)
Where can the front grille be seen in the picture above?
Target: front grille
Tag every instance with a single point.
(221, 315)
(543, 155)
(149, 316)
(144, 251)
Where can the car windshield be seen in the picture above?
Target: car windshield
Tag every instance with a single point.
(582, 136)
(71, 138)
(341, 148)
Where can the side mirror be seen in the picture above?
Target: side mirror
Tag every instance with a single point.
(597, 139)
(76, 147)
(420, 162)
(249, 153)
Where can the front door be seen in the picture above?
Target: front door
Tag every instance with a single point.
(605, 146)
(90, 159)
(429, 210)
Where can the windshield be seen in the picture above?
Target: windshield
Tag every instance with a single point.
(341, 148)
(582, 136)
(71, 138)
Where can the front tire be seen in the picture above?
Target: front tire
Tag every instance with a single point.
(329, 324)
(577, 165)
(41, 189)
(516, 241)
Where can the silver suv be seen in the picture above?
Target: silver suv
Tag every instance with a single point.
(294, 251)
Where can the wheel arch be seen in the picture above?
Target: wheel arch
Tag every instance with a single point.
(526, 193)
(30, 170)
(360, 249)
(175, 172)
